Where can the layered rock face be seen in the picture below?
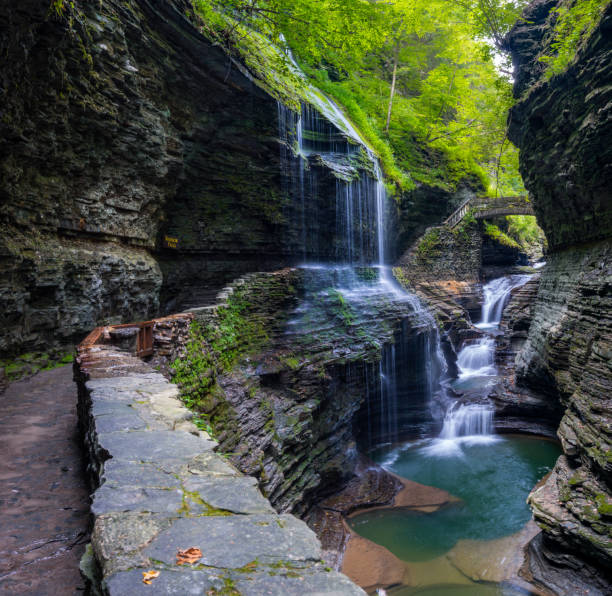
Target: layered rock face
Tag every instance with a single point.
(520, 408)
(307, 371)
(443, 267)
(141, 169)
(563, 129)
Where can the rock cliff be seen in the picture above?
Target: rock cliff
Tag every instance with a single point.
(293, 377)
(141, 169)
(563, 128)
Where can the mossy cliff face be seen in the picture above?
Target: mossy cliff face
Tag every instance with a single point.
(562, 127)
(285, 364)
(443, 267)
(122, 125)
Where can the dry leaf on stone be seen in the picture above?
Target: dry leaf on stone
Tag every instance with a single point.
(148, 576)
(188, 556)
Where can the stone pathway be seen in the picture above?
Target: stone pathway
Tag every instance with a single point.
(44, 499)
(163, 489)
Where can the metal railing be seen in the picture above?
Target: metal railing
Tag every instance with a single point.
(481, 207)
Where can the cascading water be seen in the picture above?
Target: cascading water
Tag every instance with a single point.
(355, 289)
(412, 363)
(477, 370)
(477, 359)
(496, 295)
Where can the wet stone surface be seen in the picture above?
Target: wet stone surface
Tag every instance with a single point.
(44, 499)
(163, 488)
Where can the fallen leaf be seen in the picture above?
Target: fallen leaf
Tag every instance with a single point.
(188, 556)
(147, 576)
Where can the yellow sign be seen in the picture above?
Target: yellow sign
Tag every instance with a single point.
(170, 242)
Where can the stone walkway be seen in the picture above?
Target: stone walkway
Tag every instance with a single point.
(163, 490)
(44, 499)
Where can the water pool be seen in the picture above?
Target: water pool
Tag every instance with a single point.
(492, 477)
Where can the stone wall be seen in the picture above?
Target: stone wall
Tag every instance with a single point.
(443, 267)
(160, 487)
(562, 127)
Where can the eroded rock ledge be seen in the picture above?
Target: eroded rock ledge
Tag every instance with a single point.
(161, 487)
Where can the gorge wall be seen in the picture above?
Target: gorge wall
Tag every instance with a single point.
(121, 126)
(563, 127)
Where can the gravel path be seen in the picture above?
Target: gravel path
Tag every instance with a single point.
(44, 498)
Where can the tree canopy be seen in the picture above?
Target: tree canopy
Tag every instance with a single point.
(421, 79)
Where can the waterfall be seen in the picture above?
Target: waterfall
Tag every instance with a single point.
(476, 360)
(496, 295)
(464, 424)
(341, 234)
(467, 421)
(476, 363)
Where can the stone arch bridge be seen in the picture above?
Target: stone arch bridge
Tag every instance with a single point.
(485, 207)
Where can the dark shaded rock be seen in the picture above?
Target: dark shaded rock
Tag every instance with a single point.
(123, 126)
(562, 127)
(551, 570)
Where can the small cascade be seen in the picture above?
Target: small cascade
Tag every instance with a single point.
(476, 364)
(464, 424)
(476, 360)
(496, 295)
(467, 421)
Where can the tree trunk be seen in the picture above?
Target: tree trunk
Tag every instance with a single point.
(395, 60)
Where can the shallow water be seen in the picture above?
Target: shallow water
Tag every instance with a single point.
(492, 478)
(457, 590)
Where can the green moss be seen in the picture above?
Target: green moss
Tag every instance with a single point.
(194, 497)
(430, 245)
(292, 362)
(228, 589)
(604, 507)
(575, 480)
(341, 308)
(495, 234)
(30, 363)
(236, 333)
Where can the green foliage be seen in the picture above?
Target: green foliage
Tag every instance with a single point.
(211, 351)
(525, 231)
(575, 21)
(415, 76)
(236, 332)
(195, 371)
(493, 232)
